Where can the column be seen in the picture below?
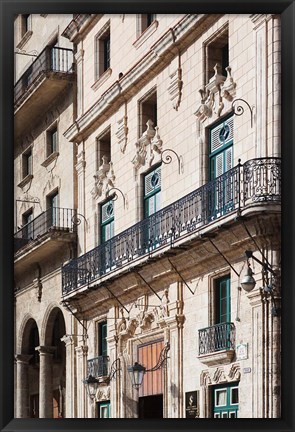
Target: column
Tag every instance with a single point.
(80, 168)
(45, 381)
(70, 373)
(22, 383)
(79, 62)
(82, 373)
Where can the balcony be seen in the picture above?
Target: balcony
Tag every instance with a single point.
(217, 344)
(40, 84)
(43, 236)
(98, 367)
(244, 187)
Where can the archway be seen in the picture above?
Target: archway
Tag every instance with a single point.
(54, 331)
(28, 372)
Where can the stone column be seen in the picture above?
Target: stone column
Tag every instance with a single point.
(45, 382)
(70, 369)
(82, 402)
(22, 385)
(80, 168)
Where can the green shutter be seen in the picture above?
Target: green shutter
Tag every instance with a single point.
(152, 192)
(223, 299)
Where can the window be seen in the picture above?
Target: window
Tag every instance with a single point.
(147, 111)
(28, 229)
(107, 221)
(226, 400)
(102, 339)
(102, 51)
(103, 147)
(217, 53)
(27, 163)
(152, 203)
(26, 24)
(221, 161)
(52, 206)
(147, 20)
(52, 141)
(103, 409)
(152, 192)
(222, 304)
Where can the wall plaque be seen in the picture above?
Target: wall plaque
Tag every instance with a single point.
(192, 404)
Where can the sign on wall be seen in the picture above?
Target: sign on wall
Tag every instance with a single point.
(192, 404)
(242, 351)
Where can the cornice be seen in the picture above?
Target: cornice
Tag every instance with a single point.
(188, 29)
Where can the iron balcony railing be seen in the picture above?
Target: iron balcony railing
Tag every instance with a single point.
(218, 337)
(98, 366)
(51, 59)
(257, 180)
(55, 218)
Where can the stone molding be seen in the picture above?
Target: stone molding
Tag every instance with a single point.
(148, 147)
(219, 375)
(104, 179)
(214, 94)
(103, 393)
(159, 56)
(175, 87)
(122, 133)
(218, 357)
(23, 358)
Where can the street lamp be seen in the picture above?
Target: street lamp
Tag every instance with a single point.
(91, 384)
(137, 371)
(248, 282)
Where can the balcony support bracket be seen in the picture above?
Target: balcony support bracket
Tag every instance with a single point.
(224, 257)
(176, 271)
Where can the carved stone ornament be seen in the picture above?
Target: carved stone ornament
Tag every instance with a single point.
(103, 393)
(219, 376)
(218, 89)
(148, 147)
(122, 133)
(104, 178)
(175, 88)
(38, 288)
(235, 372)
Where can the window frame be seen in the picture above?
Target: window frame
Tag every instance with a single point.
(102, 61)
(27, 163)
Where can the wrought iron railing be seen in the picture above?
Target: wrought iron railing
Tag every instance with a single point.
(98, 366)
(256, 180)
(218, 337)
(55, 218)
(51, 59)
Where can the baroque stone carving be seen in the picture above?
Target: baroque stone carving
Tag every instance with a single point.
(235, 372)
(103, 393)
(175, 88)
(219, 376)
(218, 89)
(205, 379)
(122, 133)
(38, 288)
(148, 146)
(104, 178)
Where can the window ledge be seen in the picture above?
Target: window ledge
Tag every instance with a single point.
(102, 79)
(146, 34)
(217, 358)
(52, 157)
(25, 180)
(24, 39)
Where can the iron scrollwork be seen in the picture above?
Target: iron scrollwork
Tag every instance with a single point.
(168, 159)
(239, 110)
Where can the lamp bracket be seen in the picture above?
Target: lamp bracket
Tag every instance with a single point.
(162, 358)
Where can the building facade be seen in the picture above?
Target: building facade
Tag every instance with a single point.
(148, 196)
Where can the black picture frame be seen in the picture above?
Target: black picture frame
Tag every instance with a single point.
(8, 8)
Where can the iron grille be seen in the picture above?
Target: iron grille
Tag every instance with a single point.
(218, 337)
(98, 366)
(256, 180)
(55, 218)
